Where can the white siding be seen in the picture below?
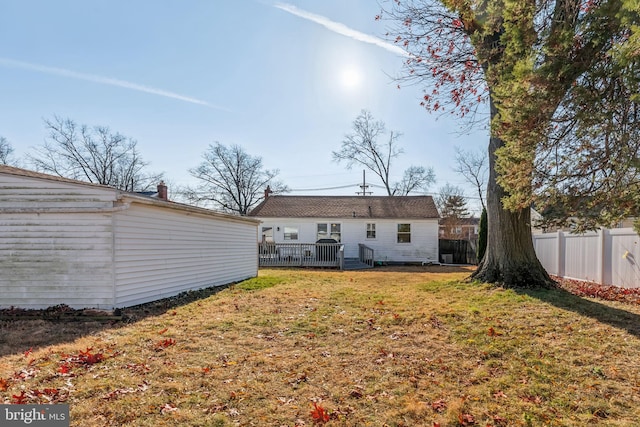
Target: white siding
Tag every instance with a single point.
(48, 257)
(423, 246)
(24, 193)
(160, 253)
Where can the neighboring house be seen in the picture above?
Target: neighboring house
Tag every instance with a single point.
(400, 229)
(459, 228)
(69, 242)
(537, 226)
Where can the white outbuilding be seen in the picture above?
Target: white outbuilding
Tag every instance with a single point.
(69, 242)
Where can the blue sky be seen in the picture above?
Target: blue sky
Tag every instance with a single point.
(284, 80)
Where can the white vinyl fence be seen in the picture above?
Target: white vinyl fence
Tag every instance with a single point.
(609, 257)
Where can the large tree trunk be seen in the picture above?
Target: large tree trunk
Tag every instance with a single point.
(510, 259)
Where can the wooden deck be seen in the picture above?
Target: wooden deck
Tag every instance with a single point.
(330, 255)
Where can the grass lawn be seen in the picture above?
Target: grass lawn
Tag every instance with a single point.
(411, 346)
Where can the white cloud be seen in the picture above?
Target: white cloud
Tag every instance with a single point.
(342, 29)
(12, 63)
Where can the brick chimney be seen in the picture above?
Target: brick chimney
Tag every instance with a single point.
(267, 191)
(162, 191)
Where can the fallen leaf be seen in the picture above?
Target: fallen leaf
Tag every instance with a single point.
(439, 405)
(466, 419)
(319, 414)
(168, 408)
(20, 399)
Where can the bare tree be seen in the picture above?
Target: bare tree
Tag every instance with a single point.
(415, 178)
(362, 147)
(232, 179)
(6, 152)
(92, 154)
(474, 167)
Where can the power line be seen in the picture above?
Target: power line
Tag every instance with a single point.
(326, 188)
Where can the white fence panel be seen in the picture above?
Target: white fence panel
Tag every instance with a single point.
(546, 246)
(625, 257)
(609, 257)
(581, 256)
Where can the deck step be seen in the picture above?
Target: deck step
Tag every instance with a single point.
(355, 264)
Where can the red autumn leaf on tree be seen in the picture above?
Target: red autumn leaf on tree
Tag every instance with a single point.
(319, 414)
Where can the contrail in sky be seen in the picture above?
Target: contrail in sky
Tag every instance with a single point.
(342, 29)
(102, 80)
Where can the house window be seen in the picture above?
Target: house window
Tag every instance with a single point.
(371, 231)
(404, 233)
(323, 232)
(267, 234)
(329, 231)
(290, 233)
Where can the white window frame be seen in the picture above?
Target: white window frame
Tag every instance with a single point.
(329, 234)
(403, 233)
(290, 231)
(265, 238)
(371, 229)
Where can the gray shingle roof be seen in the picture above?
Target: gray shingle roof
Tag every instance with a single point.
(396, 207)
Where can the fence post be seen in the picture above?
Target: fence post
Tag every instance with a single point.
(602, 234)
(559, 254)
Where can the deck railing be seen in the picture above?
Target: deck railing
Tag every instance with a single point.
(300, 255)
(365, 253)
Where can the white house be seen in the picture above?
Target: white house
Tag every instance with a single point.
(400, 229)
(68, 242)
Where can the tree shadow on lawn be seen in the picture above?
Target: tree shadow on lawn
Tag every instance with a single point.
(616, 317)
(21, 330)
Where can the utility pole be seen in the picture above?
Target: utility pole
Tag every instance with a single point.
(364, 186)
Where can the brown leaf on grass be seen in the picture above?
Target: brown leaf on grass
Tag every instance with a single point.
(167, 408)
(499, 394)
(492, 332)
(533, 399)
(356, 393)
(25, 374)
(596, 290)
(118, 392)
(439, 405)
(466, 419)
(4, 384)
(162, 344)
